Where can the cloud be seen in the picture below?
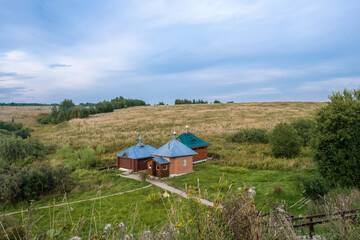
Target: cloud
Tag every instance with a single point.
(56, 65)
(334, 84)
(8, 74)
(250, 92)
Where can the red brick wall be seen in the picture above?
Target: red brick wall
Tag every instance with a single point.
(202, 154)
(177, 165)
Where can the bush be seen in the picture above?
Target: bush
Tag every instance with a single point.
(337, 139)
(251, 135)
(16, 149)
(154, 197)
(305, 129)
(284, 141)
(315, 187)
(29, 183)
(144, 175)
(100, 149)
(88, 158)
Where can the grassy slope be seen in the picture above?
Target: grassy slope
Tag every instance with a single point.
(212, 122)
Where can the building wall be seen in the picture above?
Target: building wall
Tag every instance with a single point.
(157, 172)
(131, 164)
(202, 154)
(177, 165)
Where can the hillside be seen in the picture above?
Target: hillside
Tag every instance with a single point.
(155, 124)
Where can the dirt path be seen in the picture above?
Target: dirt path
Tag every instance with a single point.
(84, 200)
(167, 188)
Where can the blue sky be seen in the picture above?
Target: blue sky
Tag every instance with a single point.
(159, 50)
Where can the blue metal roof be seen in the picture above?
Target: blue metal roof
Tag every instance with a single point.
(139, 151)
(161, 160)
(174, 148)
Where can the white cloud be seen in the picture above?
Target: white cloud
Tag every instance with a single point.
(334, 84)
(250, 92)
(162, 12)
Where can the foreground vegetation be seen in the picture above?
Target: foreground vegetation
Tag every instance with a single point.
(246, 156)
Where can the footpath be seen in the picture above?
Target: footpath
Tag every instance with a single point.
(166, 187)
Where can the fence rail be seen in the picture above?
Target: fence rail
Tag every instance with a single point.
(343, 216)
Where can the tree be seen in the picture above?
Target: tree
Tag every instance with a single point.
(337, 138)
(305, 129)
(284, 141)
(66, 105)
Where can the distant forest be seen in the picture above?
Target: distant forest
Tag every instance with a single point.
(67, 110)
(27, 104)
(188, 101)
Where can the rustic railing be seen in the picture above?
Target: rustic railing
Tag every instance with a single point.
(313, 220)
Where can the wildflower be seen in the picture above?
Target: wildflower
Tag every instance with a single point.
(121, 225)
(239, 188)
(75, 238)
(58, 225)
(179, 225)
(107, 227)
(252, 192)
(166, 194)
(189, 221)
(74, 224)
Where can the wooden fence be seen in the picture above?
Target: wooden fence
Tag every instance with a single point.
(311, 221)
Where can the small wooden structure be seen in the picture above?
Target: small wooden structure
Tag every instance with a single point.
(135, 157)
(158, 167)
(195, 143)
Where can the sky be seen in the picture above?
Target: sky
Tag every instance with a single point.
(158, 50)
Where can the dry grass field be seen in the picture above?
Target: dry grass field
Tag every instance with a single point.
(24, 114)
(155, 124)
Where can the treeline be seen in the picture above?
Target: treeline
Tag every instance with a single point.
(188, 101)
(26, 104)
(68, 110)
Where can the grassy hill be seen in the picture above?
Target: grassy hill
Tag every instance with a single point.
(155, 124)
(241, 165)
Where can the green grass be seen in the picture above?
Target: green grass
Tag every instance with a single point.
(264, 181)
(133, 209)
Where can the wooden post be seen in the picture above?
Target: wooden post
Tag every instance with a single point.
(311, 229)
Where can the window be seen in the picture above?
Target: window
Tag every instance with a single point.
(165, 167)
(184, 162)
(149, 166)
(157, 167)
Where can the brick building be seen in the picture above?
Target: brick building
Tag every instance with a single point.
(173, 158)
(195, 144)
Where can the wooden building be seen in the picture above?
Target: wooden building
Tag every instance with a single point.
(158, 167)
(135, 157)
(195, 143)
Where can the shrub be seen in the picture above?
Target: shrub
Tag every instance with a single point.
(144, 175)
(337, 139)
(154, 197)
(88, 158)
(251, 135)
(100, 149)
(315, 187)
(284, 141)
(305, 129)
(29, 183)
(16, 149)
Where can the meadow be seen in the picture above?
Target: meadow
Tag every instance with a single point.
(276, 180)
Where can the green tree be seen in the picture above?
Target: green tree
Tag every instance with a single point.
(284, 141)
(337, 138)
(66, 105)
(305, 129)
